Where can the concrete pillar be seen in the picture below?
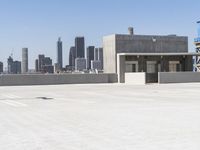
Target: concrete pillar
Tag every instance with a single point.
(121, 68)
(142, 67)
(164, 64)
(188, 63)
(183, 68)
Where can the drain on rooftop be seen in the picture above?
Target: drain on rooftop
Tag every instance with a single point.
(44, 98)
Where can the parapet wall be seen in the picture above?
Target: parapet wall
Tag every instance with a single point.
(51, 79)
(178, 77)
(135, 78)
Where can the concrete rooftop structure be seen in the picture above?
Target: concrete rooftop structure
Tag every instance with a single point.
(100, 117)
(128, 43)
(131, 54)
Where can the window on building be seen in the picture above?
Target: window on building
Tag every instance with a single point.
(174, 66)
(151, 66)
(131, 66)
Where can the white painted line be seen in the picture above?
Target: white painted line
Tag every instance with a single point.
(14, 103)
(10, 96)
(15, 96)
(18, 103)
(8, 103)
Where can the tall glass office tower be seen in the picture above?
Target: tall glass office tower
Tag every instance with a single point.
(80, 47)
(59, 53)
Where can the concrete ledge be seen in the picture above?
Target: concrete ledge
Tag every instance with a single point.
(178, 77)
(135, 78)
(51, 79)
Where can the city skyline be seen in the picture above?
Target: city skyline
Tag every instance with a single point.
(37, 25)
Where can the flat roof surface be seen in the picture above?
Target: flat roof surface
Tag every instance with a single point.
(158, 54)
(100, 117)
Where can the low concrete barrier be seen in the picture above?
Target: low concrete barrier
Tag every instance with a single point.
(50, 79)
(178, 77)
(135, 78)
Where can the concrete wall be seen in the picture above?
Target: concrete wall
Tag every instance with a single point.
(121, 68)
(12, 80)
(109, 54)
(151, 44)
(178, 77)
(135, 78)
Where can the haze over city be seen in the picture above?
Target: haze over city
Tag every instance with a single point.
(38, 24)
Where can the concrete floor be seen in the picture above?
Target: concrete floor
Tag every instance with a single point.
(100, 117)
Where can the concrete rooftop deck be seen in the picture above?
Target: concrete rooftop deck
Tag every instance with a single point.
(100, 117)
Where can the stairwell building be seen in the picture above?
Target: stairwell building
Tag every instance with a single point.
(130, 53)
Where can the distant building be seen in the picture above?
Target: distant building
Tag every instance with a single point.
(24, 64)
(14, 67)
(68, 68)
(96, 54)
(80, 64)
(100, 57)
(80, 47)
(17, 67)
(36, 65)
(1, 67)
(47, 61)
(48, 69)
(96, 65)
(56, 68)
(90, 56)
(44, 64)
(10, 65)
(59, 54)
(40, 62)
(72, 57)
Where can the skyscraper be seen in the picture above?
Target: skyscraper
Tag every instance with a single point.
(47, 61)
(72, 57)
(59, 54)
(90, 56)
(48, 67)
(24, 65)
(10, 63)
(80, 47)
(1, 67)
(40, 62)
(36, 65)
(44, 64)
(100, 57)
(96, 54)
(14, 67)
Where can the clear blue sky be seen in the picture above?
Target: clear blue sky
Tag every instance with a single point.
(37, 24)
